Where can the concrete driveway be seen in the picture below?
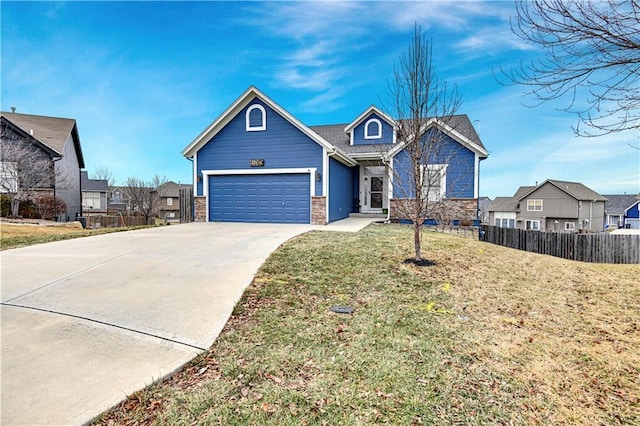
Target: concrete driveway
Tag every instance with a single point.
(87, 322)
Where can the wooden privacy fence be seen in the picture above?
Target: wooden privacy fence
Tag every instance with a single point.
(96, 221)
(594, 248)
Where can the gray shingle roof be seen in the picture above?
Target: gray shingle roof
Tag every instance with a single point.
(617, 204)
(577, 190)
(51, 131)
(335, 135)
(95, 185)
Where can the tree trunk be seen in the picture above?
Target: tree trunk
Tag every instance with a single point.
(15, 207)
(417, 238)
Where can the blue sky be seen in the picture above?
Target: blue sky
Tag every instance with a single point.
(143, 79)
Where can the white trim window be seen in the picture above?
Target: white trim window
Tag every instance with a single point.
(91, 200)
(256, 118)
(533, 225)
(373, 129)
(569, 226)
(8, 177)
(534, 205)
(434, 181)
(169, 201)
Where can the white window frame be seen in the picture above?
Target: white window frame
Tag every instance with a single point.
(569, 226)
(263, 113)
(91, 200)
(532, 225)
(169, 201)
(378, 135)
(442, 191)
(532, 205)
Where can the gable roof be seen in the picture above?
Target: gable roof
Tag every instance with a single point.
(371, 110)
(95, 185)
(618, 204)
(459, 128)
(53, 132)
(242, 101)
(510, 204)
(573, 189)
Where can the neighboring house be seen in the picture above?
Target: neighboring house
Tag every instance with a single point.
(621, 211)
(554, 206)
(56, 139)
(117, 200)
(174, 202)
(258, 163)
(94, 194)
(483, 209)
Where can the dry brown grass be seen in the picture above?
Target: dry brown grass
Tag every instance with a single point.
(487, 335)
(568, 330)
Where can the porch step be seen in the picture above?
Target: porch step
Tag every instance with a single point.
(369, 215)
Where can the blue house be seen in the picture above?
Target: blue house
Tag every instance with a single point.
(258, 163)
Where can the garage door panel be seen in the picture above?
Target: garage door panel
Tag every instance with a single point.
(277, 198)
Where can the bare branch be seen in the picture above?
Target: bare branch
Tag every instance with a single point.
(591, 54)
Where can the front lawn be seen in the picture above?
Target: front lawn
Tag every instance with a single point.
(487, 335)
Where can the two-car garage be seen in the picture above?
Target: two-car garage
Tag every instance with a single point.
(278, 196)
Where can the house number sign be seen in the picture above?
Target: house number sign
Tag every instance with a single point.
(256, 162)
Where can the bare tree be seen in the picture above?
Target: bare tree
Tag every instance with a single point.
(591, 50)
(103, 173)
(422, 105)
(144, 195)
(26, 169)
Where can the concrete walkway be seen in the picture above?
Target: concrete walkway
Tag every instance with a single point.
(86, 322)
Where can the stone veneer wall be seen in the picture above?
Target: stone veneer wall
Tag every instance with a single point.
(318, 210)
(200, 205)
(462, 209)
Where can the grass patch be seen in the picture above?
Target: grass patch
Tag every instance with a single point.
(485, 335)
(15, 236)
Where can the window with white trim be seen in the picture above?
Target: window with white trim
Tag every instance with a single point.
(533, 225)
(534, 205)
(569, 226)
(8, 176)
(256, 118)
(91, 200)
(169, 201)
(434, 181)
(373, 129)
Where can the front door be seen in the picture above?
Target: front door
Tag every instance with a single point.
(373, 193)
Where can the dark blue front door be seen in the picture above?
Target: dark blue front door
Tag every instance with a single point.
(270, 198)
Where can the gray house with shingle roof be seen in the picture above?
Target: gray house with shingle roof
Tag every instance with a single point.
(94, 194)
(553, 206)
(58, 139)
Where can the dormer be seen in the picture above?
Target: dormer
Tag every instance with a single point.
(372, 127)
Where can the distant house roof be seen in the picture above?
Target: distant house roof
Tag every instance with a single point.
(93, 185)
(574, 189)
(171, 189)
(510, 204)
(52, 132)
(504, 204)
(617, 204)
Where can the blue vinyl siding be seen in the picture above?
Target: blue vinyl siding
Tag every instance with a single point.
(282, 145)
(277, 198)
(634, 212)
(460, 171)
(340, 190)
(359, 132)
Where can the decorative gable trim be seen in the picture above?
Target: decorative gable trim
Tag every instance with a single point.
(457, 136)
(371, 110)
(238, 105)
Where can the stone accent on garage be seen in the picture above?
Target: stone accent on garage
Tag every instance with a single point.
(200, 204)
(318, 210)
